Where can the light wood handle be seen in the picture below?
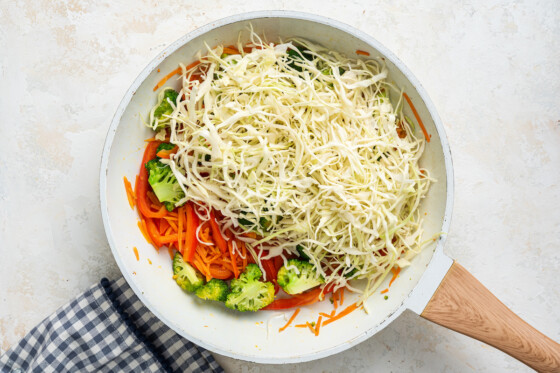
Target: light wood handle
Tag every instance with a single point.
(463, 304)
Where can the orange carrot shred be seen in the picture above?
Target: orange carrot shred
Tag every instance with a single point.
(325, 315)
(170, 251)
(180, 229)
(230, 50)
(136, 253)
(395, 274)
(417, 117)
(384, 291)
(342, 313)
(300, 326)
(341, 296)
(361, 52)
(310, 327)
(129, 193)
(290, 320)
(318, 325)
(166, 78)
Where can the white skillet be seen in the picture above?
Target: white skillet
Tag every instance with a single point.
(433, 286)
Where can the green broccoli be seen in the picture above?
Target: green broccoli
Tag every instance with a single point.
(188, 278)
(294, 281)
(164, 108)
(265, 223)
(302, 254)
(299, 54)
(165, 146)
(248, 293)
(164, 183)
(351, 273)
(213, 290)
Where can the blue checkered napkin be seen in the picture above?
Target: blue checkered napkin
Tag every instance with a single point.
(105, 329)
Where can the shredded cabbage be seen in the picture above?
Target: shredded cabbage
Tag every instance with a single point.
(313, 145)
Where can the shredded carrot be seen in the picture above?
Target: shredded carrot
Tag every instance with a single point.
(335, 300)
(342, 313)
(233, 256)
(395, 274)
(318, 325)
(332, 313)
(300, 326)
(170, 251)
(166, 154)
(160, 84)
(341, 296)
(129, 193)
(290, 320)
(310, 327)
(361, 52)
(417, 117)
(325, 315)
(176, 71)
(181, 217)
(163, 226)
(231, 50)
(173, 225)
(384, 291)
(136, 253)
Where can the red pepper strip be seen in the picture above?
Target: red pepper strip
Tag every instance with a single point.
(278, 262)
(190, 236)
(270, 268)
(153, 232)
(271, 273)
(142, 185)
(216, 234)
(299, 300)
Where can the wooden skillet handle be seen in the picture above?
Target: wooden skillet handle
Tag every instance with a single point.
(463, 304)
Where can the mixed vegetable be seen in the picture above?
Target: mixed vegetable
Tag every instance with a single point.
(261, 204)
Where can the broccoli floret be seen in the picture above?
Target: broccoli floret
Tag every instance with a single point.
(264, 226)
(248, 293)
(213, 290)
(299, 54)
(164, 107)
(164, 183)
(351, 273)
(188, 278)
(302, 253)
(295, 282)
(165, 146)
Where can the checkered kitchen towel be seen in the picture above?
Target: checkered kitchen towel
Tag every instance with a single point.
(105, 329)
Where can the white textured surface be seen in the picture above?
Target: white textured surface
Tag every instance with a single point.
(492, 71)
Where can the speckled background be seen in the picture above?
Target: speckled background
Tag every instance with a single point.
(491, 67)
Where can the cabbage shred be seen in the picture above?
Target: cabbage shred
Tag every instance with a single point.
(303, 146)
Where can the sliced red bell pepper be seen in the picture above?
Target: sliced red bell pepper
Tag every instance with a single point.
(307, 298)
